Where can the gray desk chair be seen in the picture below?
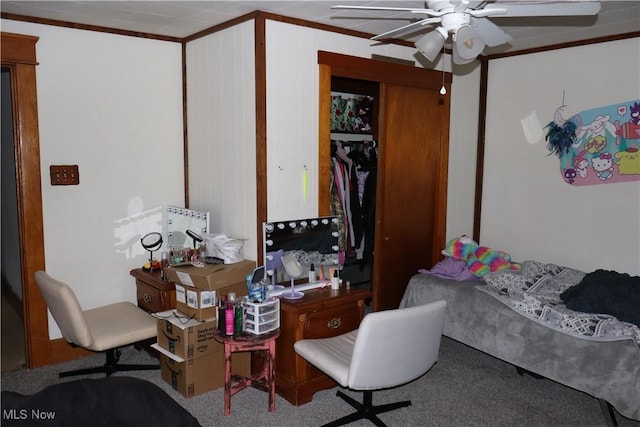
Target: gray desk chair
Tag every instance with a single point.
(103, 329)
(390, 348)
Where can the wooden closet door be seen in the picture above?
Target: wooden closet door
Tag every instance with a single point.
(412, 184)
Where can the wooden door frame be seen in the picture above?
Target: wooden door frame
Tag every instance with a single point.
(19, 55)
(338, 65)
(335, 64)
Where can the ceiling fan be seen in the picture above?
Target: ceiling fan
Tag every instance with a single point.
(466, 21)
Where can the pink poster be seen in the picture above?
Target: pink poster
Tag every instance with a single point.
(605, 148)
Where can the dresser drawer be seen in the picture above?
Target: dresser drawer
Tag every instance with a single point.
(331, 322)
(149, 298)
(153, 293)
(321, 313)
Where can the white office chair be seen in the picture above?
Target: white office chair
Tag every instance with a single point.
(390, 348)
(103, 329)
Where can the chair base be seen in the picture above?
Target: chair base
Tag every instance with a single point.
(111, 366)
(366, 410)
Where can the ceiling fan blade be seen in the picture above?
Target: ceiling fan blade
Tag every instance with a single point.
(460, 5)
(396, 9)
(406, 28)
(481, 13)
(463, 5)
(490, 32)
(564, 8)
(475, 3)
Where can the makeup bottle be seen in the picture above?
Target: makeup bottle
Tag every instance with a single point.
(164, 264)
(238, 318)
(335, 281)
(312, 274)
(229, 319)
(222, 304)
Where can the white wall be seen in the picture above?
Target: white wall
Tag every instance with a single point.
(112, 105)
(527, 209)
(222, 132)
(463, 149)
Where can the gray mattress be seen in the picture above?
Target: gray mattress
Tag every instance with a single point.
(605, 370)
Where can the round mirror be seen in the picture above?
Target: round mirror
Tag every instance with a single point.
(151, 242)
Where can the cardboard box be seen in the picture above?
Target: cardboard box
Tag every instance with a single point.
(186, 339)
(202, 374)
(192, 377)
(196, 302)
(201, 304)
(212, 276)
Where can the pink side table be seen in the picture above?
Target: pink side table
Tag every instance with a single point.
(264, 380)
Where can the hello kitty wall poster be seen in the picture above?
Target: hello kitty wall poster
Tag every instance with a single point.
(598, 146)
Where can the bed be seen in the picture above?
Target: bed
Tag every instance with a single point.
(602, 360)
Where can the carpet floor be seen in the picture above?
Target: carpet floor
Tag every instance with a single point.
(465, 388)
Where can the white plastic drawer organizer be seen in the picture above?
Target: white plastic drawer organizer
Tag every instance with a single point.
(262, 317)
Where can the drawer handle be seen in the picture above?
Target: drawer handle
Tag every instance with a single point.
(334, 323)
(147, 298)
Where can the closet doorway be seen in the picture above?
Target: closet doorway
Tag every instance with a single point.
(354, 162)
(412, 130)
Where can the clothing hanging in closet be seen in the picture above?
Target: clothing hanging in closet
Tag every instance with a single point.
(353, 180)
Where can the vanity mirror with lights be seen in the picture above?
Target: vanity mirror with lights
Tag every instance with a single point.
(185, 227)
(311, 241)
(154, 293)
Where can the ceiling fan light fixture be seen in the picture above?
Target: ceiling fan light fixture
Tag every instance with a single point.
(467, 43)
(431, 43)
(458, 60)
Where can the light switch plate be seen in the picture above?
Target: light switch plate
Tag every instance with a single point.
(64, 174)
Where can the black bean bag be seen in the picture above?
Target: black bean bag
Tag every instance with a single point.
(103, 402)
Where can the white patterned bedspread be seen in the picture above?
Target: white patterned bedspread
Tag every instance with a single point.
(534, 291)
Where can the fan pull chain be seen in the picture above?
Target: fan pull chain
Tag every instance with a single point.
(443, 90)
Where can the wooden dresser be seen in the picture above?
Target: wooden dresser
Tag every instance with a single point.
(320, 314)
(153, 293)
